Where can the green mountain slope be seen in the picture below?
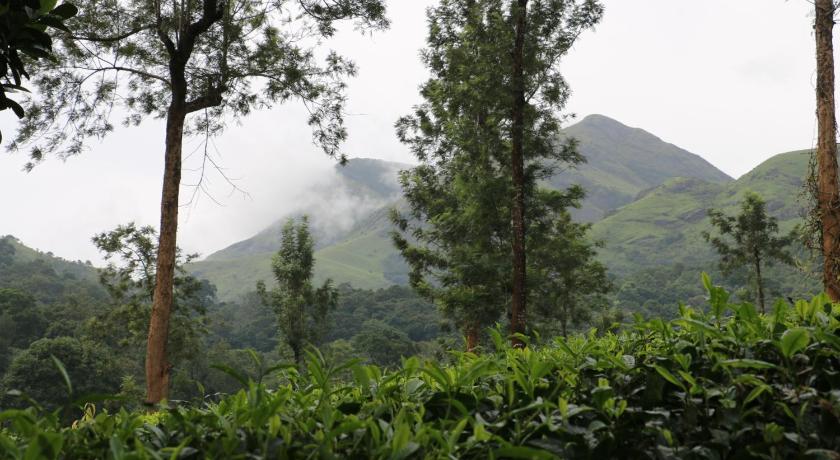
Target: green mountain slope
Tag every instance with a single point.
(623, 162)
(655, 251)
(66, 268)
(362, 186)
(664, 226)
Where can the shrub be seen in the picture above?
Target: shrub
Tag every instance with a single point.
(725, 384)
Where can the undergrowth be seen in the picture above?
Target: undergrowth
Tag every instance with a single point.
(724, 383)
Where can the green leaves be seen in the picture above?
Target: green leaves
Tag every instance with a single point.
(793, 341)
(636, 394)
(23, 33)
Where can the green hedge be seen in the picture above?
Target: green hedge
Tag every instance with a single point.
(729, 383)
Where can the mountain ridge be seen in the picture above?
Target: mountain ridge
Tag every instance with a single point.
(622, 163)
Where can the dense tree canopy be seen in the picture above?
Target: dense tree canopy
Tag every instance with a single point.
(461, 226)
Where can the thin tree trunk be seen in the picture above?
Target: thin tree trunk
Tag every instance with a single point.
(296, 351)
(759, 284)
(157, 364)
(828, 198)
(564, 320)
(518, 302)
(472, 337)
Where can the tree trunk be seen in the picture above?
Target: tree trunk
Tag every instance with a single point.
(759, 284)
(297, 352)
(827, 186)
(157, 365)
(564, 321)
(472, 337)
(518, 302)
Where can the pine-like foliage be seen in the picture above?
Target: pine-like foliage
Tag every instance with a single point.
(301, 309)
(457, 233)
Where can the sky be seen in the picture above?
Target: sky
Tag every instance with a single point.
(730, 80)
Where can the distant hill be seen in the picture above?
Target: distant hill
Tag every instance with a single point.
(622, 163)
(665, 224)
(73, 269)
(349, 223)
(655, 251)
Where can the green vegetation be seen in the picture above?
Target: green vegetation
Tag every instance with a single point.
(141, 360)
(301, 310)
(730, 383)
(750, 240)
(24, 40)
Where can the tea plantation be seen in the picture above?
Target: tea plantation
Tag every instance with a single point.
(719, 383)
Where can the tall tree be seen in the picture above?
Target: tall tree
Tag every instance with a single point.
(302, 311)
(567, 281)
(495, 91)
(749, 239)
(827, 188)
(130, 281)
(197, 64)
(455, 237)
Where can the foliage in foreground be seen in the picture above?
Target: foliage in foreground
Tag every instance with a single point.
(729, 383)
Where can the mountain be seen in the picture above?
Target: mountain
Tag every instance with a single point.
(665, 224)
(622, 163)
(22, 254)
(348, 213)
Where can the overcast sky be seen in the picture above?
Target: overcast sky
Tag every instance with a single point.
(730, 80)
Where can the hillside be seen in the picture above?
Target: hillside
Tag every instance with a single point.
(622, 163)
(66, 268)
(350, 227)
(654, 247)
(664, 226)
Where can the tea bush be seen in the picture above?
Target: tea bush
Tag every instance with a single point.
(726, 383)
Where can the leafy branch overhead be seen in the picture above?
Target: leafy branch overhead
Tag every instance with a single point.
(224, 58)
(23, 37)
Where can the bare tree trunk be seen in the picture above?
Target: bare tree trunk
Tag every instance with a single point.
(472, 337)
(157, 365)
(828, 198)
(298, 354)
(759, 284)
(518, 303)
(564, 322)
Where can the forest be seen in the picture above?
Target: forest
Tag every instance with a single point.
(527, 286)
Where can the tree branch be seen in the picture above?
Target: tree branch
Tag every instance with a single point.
(212, 98)
(115, 38)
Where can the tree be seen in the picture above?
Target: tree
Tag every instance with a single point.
(130, 280)
(749, 239)
(7, 252)
(384, 345)
(196, 64)
(827, 190)
(488, 125)
(302, 311)
(33, 371)
(567, 280)
(21, 321)
(23, 36)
